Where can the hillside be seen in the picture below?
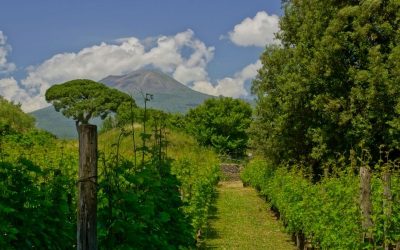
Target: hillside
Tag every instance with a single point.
(54, 122)
(13, 118)
(168, 95)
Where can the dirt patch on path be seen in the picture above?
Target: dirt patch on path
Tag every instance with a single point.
(230, 184)
(231, 171)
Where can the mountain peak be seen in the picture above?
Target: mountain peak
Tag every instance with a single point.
(169, 95)
(151, 81)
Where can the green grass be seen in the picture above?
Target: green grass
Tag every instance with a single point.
(242, 220)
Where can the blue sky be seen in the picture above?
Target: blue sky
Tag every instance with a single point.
(210, 46)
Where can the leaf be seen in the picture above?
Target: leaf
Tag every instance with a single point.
(164, 217)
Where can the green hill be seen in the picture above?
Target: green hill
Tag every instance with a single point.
(57, 124)
(13, 118)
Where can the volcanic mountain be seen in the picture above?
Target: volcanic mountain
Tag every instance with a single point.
(168, 95)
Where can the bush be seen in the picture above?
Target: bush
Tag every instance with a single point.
(141, 207)
(221, 123)
(197, 188)
(36, 207)
(326, 212)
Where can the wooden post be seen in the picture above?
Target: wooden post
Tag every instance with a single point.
(387, 204)
(87, 185)
(300, 240)
(365, 203)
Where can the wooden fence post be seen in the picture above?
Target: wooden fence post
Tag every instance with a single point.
(387, 205)
(87, 185)
(365, 203)
(300, 240)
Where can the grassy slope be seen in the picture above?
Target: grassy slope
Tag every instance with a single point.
(180, 145)
(13, 117)
(243, 221)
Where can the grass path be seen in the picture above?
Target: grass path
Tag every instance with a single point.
(242, 220)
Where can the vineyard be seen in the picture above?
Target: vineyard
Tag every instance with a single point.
(320, 145)
(327, 214)
(161, 203)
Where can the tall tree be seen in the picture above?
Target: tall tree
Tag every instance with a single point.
(82, 100)
(221, 123)
(332, 85)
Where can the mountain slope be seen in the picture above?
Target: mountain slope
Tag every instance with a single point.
(57, 124)
(151, 81)
(168, 95)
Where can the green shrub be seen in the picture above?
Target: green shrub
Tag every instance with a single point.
(326, 212)
(141, 207)
(36, 207)
(197, 188)
(221, 123)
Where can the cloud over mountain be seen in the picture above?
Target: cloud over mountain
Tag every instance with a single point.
(129, 54)
(99, 61)
(182, 56)
(257, 31)
(230, 86)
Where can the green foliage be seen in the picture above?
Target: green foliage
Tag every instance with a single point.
(84, 99)
(332, 85)
(221, 123)
(35, 211)
(330, 89)
(387, 227)
(157, 204)
(196, 169)
(326, 212)
(141, 207)
(12, 118)
(37, 197)
(164, 198)
(197, 188)
(127, 113)
(177, 121)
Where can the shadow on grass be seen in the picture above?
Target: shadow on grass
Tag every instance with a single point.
(210, 232)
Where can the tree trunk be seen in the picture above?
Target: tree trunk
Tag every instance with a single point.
(87, 185)
(365, 203)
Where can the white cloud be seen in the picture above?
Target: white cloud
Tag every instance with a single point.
(186, 75)
(5, 67)
(230, 86)
(183, 56)
(127, 54)
(257, 31)
(10, 90)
